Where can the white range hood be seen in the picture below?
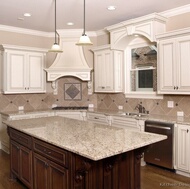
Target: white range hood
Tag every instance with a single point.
(69, 63)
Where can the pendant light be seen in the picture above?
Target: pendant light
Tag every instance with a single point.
(55, 47)
(84, 39)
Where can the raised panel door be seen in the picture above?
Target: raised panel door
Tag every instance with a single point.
(183, 66)
(40, 172)
(166, 67)
(183, 151)
(15, 72)
(35, 77)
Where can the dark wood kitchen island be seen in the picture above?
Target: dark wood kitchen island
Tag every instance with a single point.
(62, 153)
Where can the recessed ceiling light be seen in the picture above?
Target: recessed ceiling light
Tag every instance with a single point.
(27, 14)
(70, 23)
(111, 8)
(20, 18)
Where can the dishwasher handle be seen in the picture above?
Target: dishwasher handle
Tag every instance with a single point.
(158, 127)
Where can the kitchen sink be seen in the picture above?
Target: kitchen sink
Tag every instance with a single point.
(134, 114)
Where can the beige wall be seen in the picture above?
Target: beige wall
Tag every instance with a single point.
(178, 22)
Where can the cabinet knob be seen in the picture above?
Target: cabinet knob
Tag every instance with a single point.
(103, 87)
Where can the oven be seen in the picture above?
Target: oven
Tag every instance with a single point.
(160, 153)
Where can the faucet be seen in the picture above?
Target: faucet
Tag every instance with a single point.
(140, 108)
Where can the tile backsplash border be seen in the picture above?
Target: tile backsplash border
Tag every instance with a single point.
(107, 101)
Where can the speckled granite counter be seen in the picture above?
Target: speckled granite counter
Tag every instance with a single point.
(164, 118)
(87, 139)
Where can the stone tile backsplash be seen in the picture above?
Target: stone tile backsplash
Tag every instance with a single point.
(101, 101)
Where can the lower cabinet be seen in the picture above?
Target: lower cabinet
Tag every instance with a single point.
(183, 150)
(49, 175)
(21, 158)
(129, 123)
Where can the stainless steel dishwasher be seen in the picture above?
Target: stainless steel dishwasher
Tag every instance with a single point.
(160, 153)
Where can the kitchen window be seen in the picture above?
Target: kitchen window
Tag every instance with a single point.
(141, 71)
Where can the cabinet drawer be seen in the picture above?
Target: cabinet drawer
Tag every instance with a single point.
(21, 138)
(51, 152)
(97, 118)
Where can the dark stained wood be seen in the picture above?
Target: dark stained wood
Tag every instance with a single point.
(151, 176)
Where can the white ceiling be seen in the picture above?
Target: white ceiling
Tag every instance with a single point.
(97, 15)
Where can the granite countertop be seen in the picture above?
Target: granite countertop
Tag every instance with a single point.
(164, 118)
(90, 140)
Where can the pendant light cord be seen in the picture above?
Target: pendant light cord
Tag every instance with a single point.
(55, 23)
(84, 18)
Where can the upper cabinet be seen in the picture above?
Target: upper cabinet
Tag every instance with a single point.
(174, 62)
(23, 70)
(108, 66)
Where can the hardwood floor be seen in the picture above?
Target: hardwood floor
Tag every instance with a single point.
(151, 177)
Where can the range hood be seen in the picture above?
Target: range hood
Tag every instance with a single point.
(69, 63)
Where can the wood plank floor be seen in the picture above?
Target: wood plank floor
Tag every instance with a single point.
(151, 177)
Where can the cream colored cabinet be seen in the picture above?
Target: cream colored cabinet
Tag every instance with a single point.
(174, 63)
(72, 114)
(183, 149)
(125, 122)
(23, 70)
(108, 66)
(99, 118)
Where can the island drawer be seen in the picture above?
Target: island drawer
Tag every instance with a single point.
(21, 138)
(51, 152)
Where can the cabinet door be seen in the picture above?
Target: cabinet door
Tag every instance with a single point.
(40, 172)
(103, 70)
(58, 176)
(183, 151)
(35, 79)
(15, 159)
(26, 166)
(183, 66)
(14, 71)
(166, 67)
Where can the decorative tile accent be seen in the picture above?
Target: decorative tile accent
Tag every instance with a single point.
(72, 91)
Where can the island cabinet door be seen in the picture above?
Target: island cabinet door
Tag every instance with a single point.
(49, 175)
(21, 163)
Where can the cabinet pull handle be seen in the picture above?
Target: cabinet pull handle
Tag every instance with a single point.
(187, 130)
(174, 87)
(49, 152)
(96, 118)
(25, 88)
(177, 87)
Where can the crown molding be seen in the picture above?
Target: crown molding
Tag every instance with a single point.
(176, 11)
(25, 31)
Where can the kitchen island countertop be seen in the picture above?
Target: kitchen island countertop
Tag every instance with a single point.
(90, 140)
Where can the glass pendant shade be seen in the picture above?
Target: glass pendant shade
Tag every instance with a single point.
(55, 48)
(84, 40)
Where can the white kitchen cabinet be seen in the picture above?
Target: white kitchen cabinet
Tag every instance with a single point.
(108, 70)
(72, 114)
(174, 63)
(23, 70)
(183, 149)
(125, 122)
(99, 118)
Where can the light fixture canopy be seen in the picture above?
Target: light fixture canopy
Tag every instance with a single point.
(56, 47)
(84, 39)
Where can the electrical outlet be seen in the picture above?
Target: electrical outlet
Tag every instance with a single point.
(170, 104)
(91, 105)
(20, 108)
(120, 107)
(180, 114)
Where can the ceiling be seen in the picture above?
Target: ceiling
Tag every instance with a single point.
(97, 15)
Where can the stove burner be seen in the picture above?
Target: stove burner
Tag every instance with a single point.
(70, 108)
